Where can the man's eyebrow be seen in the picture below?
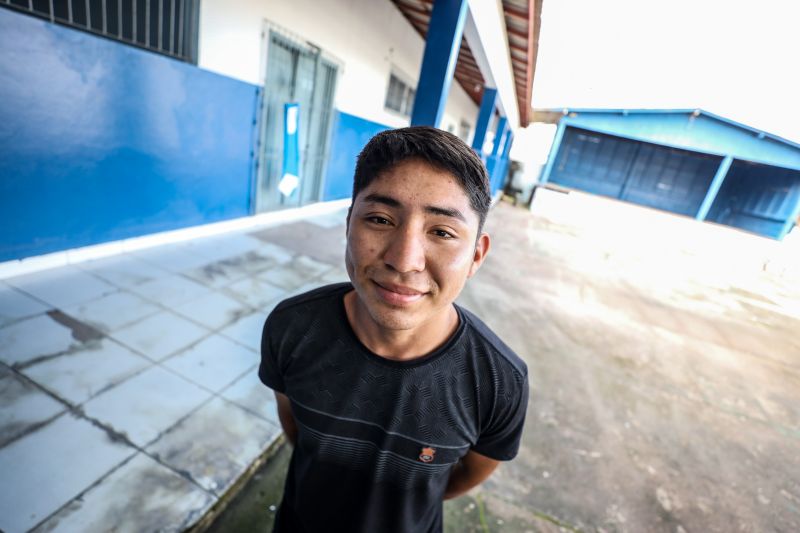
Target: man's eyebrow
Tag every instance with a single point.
(381, 199)
(433, 209)
(446, 211)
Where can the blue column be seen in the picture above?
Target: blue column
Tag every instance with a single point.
(484, 117)
(787, 227)
(500, 135)
(713, 189)
(501, 168)
(509, 142)
(494, 163)
(439, 61)
(551, 158)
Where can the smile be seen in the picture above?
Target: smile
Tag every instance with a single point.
(397, 294)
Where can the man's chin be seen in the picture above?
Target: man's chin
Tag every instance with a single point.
(393, 319)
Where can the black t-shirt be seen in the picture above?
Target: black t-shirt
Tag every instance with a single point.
(377, 438)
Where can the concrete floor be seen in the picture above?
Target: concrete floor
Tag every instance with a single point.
(665, 383)
(666, 402)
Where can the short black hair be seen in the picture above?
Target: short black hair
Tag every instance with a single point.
(434, 146)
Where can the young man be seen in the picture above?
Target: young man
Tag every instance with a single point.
(394, 397)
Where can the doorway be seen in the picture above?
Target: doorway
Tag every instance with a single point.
(296, 73)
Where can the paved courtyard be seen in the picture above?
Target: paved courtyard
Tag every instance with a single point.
(129, 399)
(665, 384)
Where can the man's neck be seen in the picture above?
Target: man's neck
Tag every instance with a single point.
(394, 344)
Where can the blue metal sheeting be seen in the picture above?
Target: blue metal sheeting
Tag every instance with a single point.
(687, 162)
(648, 174)
(757, 198)
(102, 141)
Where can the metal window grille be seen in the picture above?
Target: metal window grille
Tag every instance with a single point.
(399, 96)
(167, 27)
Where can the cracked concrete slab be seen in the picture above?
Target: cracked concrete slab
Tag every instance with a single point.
(15, 305)
(213, 310)
(141, 495)
(63, 287)
(160, 335)
(78, 376)
(213, 363)
(34, 338)
(146, 405)
(215, 444)
(23, 407)
(112, 311)
(51, 466)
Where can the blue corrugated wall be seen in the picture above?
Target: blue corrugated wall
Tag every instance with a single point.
(643, 173)
(100, 141)
(757, 198)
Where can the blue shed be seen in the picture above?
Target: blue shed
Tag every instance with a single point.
(686, 161)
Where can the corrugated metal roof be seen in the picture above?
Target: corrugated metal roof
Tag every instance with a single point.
(522, 19)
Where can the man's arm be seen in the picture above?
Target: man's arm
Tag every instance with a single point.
(286, 417)
(471, 470)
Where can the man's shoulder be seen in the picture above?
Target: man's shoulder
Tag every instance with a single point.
(493, 346)
(321, 296)
(309, 316)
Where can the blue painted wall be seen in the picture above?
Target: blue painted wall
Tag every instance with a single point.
(102, 141)
(350, 134)
(758, 198)
(683, 130)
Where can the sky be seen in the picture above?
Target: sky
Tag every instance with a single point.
(738, 59)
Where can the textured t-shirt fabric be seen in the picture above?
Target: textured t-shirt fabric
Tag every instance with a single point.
(377, 439)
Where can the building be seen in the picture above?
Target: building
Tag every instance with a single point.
(689, 162)
(132, 117)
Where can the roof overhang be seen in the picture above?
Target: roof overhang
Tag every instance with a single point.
(499, 49)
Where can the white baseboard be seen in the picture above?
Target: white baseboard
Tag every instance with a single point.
(37, 263)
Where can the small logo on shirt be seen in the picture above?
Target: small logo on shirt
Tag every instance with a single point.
(426, 455)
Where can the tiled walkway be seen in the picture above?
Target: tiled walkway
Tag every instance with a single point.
(129, 399)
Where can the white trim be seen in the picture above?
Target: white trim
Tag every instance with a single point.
(485, 32)
(37, 263)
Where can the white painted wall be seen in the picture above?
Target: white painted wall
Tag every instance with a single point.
(367, 38)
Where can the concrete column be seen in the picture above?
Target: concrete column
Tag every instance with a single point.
(787, 227)
(713, 189)
(484, 118)
(439, 61)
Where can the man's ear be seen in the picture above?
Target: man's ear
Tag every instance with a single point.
(347, 220)
(482, 246)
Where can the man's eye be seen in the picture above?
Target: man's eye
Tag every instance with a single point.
(443, 234)
(378, 220)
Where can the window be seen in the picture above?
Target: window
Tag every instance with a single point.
(400, 96)
(168, 27)
(463, 130)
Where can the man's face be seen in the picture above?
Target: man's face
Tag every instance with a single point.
(411, 245)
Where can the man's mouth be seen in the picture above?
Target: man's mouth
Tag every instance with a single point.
(398, 294)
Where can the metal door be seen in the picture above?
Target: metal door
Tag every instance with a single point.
(295, 73)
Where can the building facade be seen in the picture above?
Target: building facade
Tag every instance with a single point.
(689, 162)
(122, 119)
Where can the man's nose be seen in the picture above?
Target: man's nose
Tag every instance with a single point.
(405, 252)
